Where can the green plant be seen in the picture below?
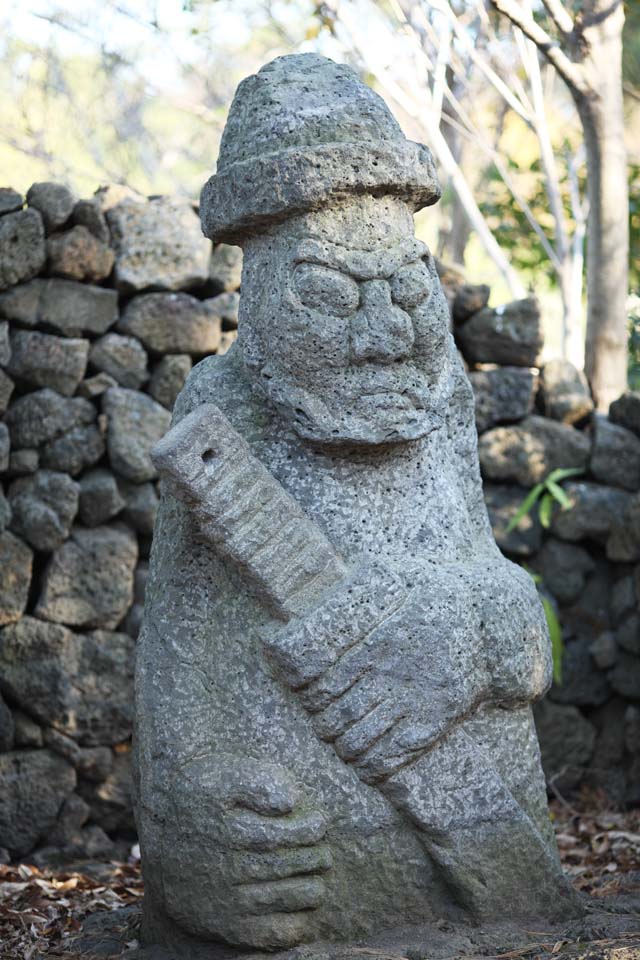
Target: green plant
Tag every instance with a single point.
(554, 626)
(547, 492)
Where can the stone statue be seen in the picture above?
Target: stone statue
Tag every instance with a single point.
(334, 734)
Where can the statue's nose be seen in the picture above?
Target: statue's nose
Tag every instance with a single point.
(380, 330)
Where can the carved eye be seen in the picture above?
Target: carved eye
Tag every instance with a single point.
(410, 284)
(326, 290)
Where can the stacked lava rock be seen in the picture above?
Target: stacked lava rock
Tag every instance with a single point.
(533, 419)
(104, 306)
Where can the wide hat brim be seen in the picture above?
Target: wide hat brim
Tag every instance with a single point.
(246, 197)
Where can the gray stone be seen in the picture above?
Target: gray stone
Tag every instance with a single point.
(44, 415)
(225, 267)
(22, 463)
(75, 450)
(16, 561)
(226, 306)
(66, 307)
(87, 213)
(33, 786)
(625, 677)
(158, 245)
(628, 634)
(44, 507)
(135, 424)
(123, 358)
(89, 580)
(133, 621)
(604, 650)
(10, 200)
(81, 685)
(565, 392)
(623, 598)
(567, 740)
(623, 544)
(593, 510)
(625, 411)
(110, 801)
(563, 568)
(54, 201)
(168, 377)
(22, 247)
(502, 395)
(511, 334)
(40, 360)
(583, 685)
(95, 386)
(227, 340)
(615, 456)
(100, 498)
(469, 299)
(77, 254)
(5, 512)
(5, 344)
(7, 728)
(6, 389)
(5, 447)
(141, 506)
(527, 452)
(502, 503)
(632, 729)
(27, 732)
(172, 323)
(95, 763)
(330, 632)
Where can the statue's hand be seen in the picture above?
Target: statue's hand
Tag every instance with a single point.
(244, 856)
(385, 672)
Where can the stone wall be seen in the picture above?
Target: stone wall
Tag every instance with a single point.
(105, 304)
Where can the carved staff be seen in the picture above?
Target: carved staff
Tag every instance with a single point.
(466, 816)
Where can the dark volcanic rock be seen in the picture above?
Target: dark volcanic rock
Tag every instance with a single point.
(44, 507)
(502, 395)
(172, 323)
(469, 299)
(100, 498)
(123, 358)
(168, 377)
(16, 560)
(527, 452)
(563, 567)
(510, 334)
(135, 424)
(594, 508)
(625, 411)
(44, 415)
(64, 306)
(502, 504)
(41, 360)
(22, 247)
(77, 255)
(615, 456)
(33, 786)
(54, 202)
(567, 741)
(565, 392)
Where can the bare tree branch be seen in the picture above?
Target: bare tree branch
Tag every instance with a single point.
(572, 73)
(560, 15)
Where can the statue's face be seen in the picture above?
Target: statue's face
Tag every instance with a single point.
(344, 321)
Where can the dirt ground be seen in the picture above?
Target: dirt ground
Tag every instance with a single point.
(93, 909)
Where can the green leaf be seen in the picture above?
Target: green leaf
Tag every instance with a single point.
(545, 510)
(525, 506)
(555, 632)
(559, 495)
(561, 473)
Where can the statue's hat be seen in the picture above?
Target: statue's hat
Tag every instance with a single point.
(302, 132)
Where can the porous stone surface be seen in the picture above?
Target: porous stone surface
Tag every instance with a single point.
(22, 247)
(324, 585)
(172, 323)
(5, 512)
(5, 344)
(510, 334)
(569, 740)
(16, 560)
(5, 447)
(54, 201)
(41, 360)
(527, 452)
(168, 378)
(44, 415)
(615, 457)
(564, 391)
(625, 411)
(87, 213)
(7, 727)
(10, 200)
(503, 502)
(22, 462)
(6, 389)
(140, 506)
(594, 509)
(78, 255)
(43, 508)
(159, 245)
(79, 684)
(89, 580)
(100, 499)
(135, 424)
(75, 450)
(502, 395)
(66, 307)
(564, 567)
(123, 358)
(33, 787)
(469, 299)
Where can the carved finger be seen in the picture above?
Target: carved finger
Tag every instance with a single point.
(265, 789)
(276, 931)
(250, 866)
(281, 896)
(366, 732)
(357, 701)
(400, 746)
(333, 684)
(250, 831)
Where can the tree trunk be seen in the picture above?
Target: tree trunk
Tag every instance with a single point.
(601, 113)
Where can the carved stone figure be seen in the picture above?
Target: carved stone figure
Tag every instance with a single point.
(334, 733)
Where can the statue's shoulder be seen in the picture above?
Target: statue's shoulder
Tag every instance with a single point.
(224, 382)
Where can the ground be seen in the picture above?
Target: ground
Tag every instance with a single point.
(93, 910)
